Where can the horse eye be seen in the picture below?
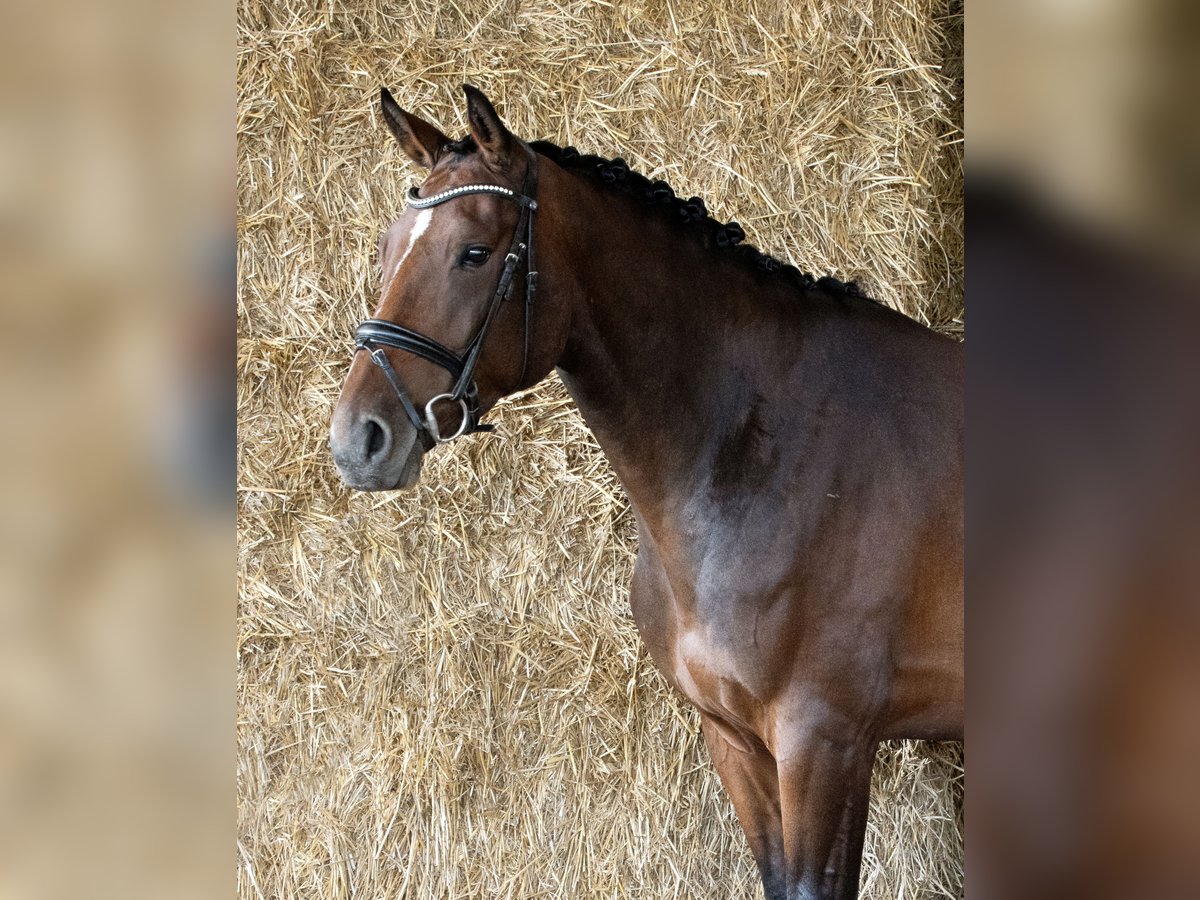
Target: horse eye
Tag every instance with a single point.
(475, 256)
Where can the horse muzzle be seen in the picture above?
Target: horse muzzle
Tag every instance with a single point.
(373, 454)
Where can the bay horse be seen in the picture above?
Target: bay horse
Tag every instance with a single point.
(792, 452)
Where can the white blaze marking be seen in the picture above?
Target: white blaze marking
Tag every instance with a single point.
(418, 229)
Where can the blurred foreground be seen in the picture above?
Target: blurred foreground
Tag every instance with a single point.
(116, 587)
(1084, 444)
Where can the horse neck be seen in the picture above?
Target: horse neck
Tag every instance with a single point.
(662, 341)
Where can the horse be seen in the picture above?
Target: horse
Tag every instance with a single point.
(792, 452)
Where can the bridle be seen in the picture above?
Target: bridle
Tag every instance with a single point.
(374, 334)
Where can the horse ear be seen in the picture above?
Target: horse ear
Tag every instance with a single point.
(421, 141)
(494, 140)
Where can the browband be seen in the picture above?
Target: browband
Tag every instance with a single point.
(416, 201)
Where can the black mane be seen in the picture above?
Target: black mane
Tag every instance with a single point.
(727, 236)
(692, 212)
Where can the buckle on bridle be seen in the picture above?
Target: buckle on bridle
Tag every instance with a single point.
(514, 256)
(431, 422)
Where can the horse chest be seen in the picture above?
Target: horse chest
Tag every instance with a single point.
(720, 683)
(712, 672)
(710, 648)
(705, 671)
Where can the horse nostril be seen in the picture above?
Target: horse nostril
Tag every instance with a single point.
(376, 438)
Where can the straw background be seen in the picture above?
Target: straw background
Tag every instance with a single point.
(442, 692)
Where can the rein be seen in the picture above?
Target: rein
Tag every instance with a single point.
(374, 334)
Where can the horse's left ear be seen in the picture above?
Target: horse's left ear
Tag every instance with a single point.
(494, 140)
(421, 141)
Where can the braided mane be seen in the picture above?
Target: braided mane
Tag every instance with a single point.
(690, 212)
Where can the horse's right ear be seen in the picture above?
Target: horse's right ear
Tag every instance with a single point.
(421, 141)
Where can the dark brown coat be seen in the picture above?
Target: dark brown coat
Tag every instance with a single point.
(793, 456)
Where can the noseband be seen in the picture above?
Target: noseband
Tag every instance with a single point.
(374, 334)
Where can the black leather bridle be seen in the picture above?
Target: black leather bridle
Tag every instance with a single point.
(374, 334)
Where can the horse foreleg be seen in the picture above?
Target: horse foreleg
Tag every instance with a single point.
(825, 789)
(848, 848)
(751, 778)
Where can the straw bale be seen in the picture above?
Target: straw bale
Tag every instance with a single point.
(442, 693)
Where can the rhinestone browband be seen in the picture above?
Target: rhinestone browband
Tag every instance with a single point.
(418, 202)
